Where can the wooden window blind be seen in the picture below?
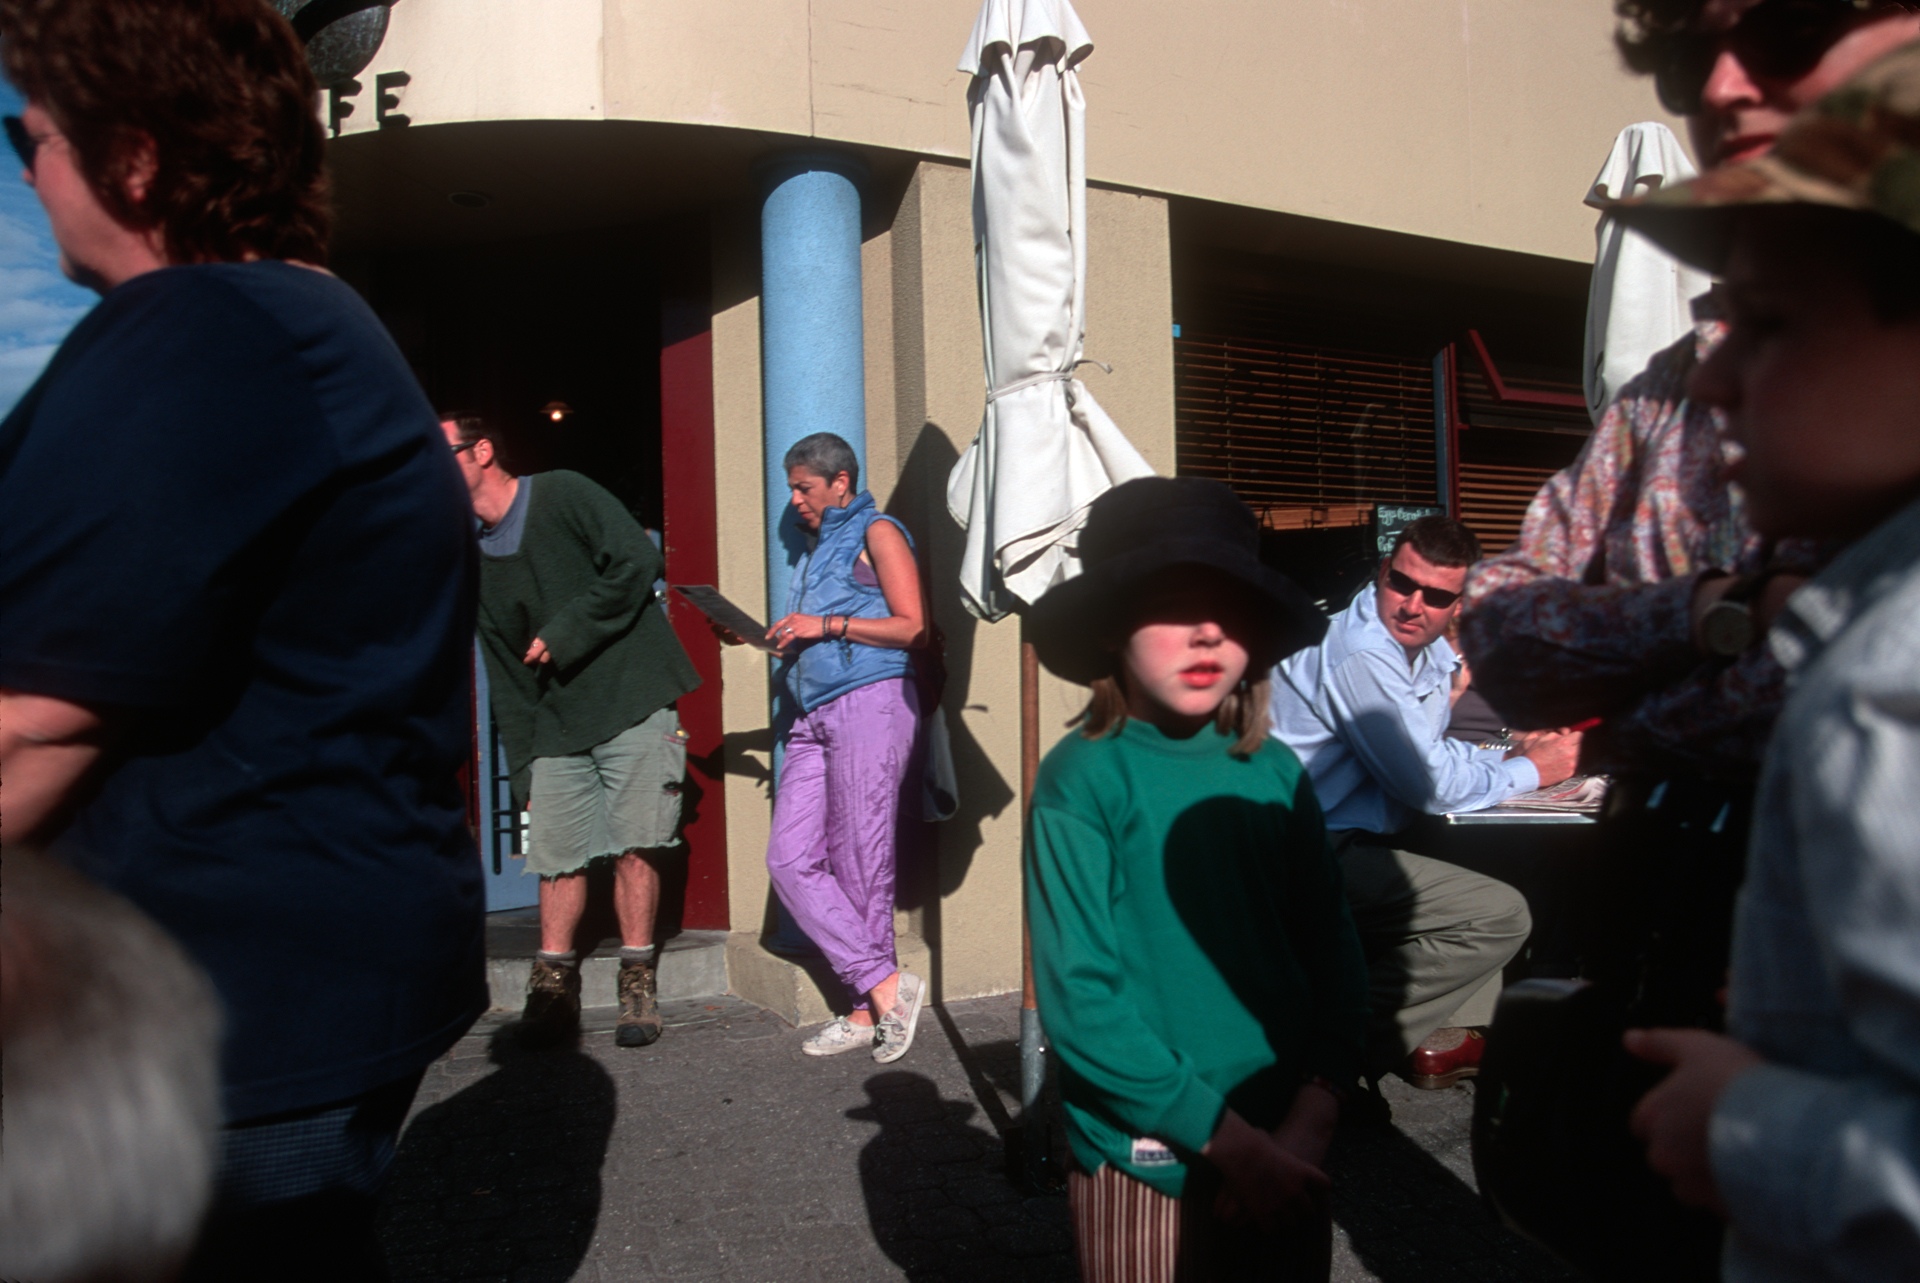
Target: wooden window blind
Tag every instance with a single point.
(1308, 435)
(1508, 450)
(1315, 411)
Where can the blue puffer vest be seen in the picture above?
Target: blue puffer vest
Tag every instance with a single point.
(823, 584)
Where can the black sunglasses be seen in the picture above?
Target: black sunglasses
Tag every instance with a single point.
(1438, 598)
(25, 145)
(1775, 40)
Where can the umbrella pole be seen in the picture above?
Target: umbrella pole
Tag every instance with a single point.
(1036, 1150)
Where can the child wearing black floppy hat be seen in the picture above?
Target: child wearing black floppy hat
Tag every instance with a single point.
(1198, 971)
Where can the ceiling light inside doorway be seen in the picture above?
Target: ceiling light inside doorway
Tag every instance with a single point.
(556, 410)
(470, 200)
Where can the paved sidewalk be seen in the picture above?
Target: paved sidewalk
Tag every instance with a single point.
(723, 1153)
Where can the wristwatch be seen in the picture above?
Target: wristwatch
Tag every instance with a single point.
(1728, 627)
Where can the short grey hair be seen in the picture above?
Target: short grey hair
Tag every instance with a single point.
(109, 1059)
(824, 454)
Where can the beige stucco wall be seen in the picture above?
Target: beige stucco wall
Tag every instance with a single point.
(490, 60)
(972, 914)
(1480, 121)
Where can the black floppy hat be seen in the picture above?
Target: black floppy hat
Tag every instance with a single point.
(1144, 526)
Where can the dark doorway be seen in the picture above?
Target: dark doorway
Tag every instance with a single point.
(508, 329)
(558, 342)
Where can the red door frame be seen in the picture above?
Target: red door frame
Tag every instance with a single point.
(692, 547)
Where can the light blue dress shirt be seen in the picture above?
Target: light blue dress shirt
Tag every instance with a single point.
(1818, 1153)
(1371, 727)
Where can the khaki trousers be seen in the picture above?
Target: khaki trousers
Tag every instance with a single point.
(1436, 938)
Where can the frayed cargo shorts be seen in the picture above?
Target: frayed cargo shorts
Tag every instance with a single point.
(620, 795)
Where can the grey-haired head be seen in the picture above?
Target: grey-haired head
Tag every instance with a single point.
(826, 455)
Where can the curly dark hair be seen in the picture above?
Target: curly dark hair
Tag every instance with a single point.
(1644, 26)
(1649, 27)
(215, 95)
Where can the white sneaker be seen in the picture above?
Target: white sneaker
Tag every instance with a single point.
(841, 1035)
(897, 1026)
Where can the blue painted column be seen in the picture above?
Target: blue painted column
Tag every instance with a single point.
(812, 366)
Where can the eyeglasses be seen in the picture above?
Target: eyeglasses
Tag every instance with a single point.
(1437, 598)
(1778, 40)
(468, 445)
(25, 145)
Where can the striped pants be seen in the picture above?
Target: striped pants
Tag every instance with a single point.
(1125, 1231)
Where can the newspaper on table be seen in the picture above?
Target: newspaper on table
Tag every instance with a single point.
(1575, 800)
(709, 602)
(1579, 793)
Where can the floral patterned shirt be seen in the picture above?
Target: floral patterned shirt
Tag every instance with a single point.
(1589, 613)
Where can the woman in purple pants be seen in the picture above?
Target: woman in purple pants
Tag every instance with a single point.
(854, 611)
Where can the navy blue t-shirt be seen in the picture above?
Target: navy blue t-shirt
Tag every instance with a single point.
(229, 520)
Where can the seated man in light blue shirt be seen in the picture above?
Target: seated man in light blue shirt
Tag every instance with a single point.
(1367, 710)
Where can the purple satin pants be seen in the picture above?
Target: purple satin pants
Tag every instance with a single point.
(836, 817)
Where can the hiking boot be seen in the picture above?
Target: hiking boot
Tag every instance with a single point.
(897, 1026)
(552, 1013)
(639, 1006)
(841, 1035)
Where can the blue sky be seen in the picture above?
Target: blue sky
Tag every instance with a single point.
(37, 304)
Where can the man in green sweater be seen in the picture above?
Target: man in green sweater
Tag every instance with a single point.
(584, 670)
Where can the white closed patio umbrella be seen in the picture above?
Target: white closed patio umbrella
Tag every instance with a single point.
(1045, 448)
(1641, 299)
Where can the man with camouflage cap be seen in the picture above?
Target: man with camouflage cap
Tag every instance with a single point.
(1639, 593)
(1803, 1126)
(1596, 610)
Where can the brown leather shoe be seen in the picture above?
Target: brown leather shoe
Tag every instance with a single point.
(552, 1014)
(639, 1023)
(1444, 1057)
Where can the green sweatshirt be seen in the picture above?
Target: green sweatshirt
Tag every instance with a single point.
(582, 582)
(1191, 943)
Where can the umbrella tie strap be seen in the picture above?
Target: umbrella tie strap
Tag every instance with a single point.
(1051, 376)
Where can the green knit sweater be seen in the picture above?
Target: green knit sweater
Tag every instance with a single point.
(582, 582)
(1191, 943)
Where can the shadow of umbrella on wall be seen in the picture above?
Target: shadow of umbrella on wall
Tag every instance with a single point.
(1045, 449)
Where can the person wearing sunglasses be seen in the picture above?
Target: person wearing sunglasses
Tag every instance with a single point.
(1600, 608)
(237, 588)
(1367, 711)
(1638, 592)
(1739, 69)
(1798, 1125)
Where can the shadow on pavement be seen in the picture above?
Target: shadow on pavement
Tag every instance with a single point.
(1409, 1219)
(992, 1069)
(503, 1178)
(937, 1202)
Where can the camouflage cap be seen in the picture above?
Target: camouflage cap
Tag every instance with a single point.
(1857, 148)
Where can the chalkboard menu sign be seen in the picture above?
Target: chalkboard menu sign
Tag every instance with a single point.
(1389, 519)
